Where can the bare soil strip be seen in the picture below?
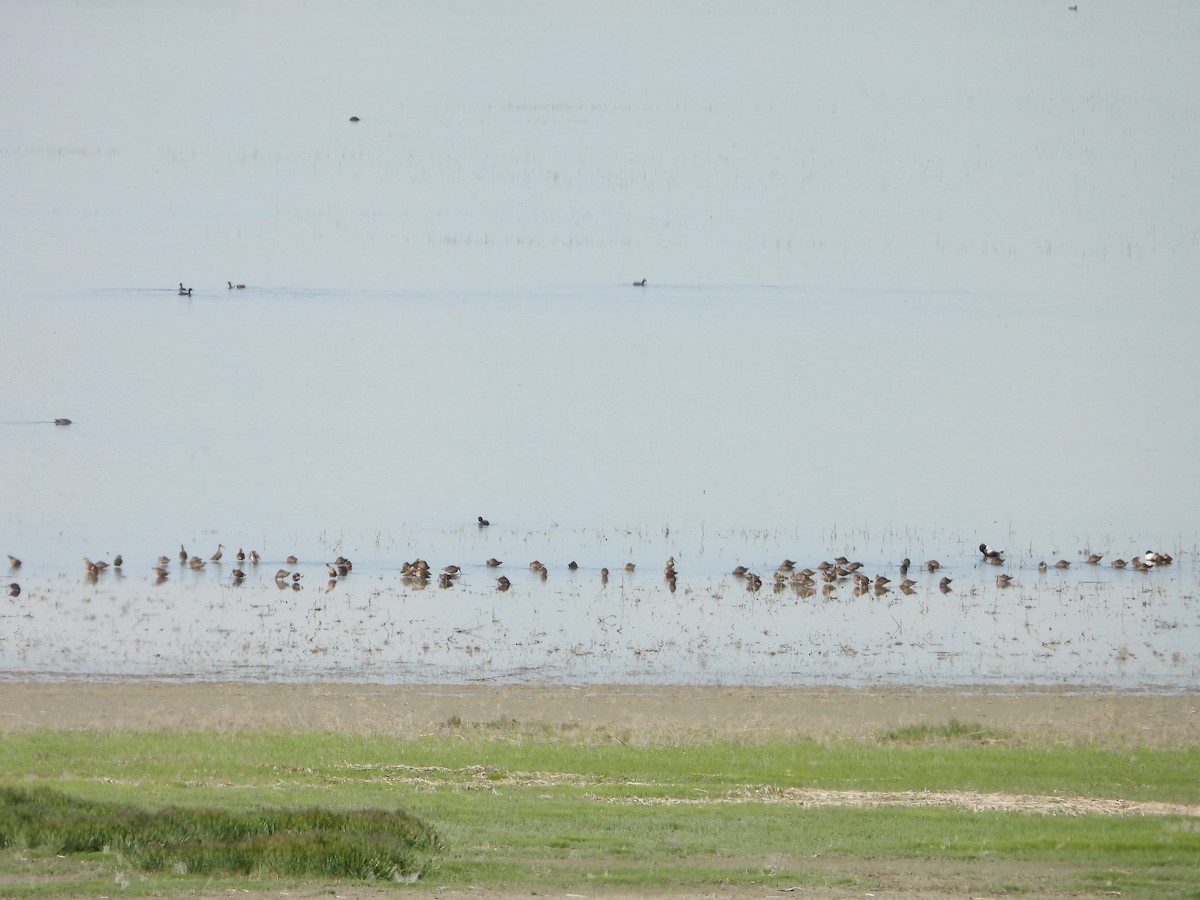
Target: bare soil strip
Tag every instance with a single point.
(634, 714)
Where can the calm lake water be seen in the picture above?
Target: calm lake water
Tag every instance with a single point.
(918, 277)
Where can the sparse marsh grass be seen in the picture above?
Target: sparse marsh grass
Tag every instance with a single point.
(545, 808)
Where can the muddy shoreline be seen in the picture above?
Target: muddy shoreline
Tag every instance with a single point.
(1027, 715)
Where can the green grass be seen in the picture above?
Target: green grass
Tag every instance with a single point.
(539, 812)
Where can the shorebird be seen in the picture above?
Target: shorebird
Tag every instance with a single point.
(1062, 564)
(62, 421)
(944, 585)
(333, 572)
(282, 574)
(182, 554)
(904, 564)
(238, 574)
(629, 567)
(196, 562)
(604, 576)
(161, 571)
(232, 286)
(572, 565)
(13, 562)
(1095, 558)
(164, 560)
(451, 570)
(1003, 580)
(291, 560)
(118, 561)
(494, 563)
(14, 590)
(740, 571)
(216, 557)
(502, 583)
(241, 555)
(1119, 563)
(254, 557)
(933, 565)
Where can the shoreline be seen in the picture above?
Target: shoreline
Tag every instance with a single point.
(1039, 716)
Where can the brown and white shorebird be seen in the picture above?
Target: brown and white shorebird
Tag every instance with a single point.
(502, 584)
(1095, 558)
(216, 557)
(494, 563)
(183, 556)
(944, 586)
(241, 555)
(292, 560)
(13, 562)
(14, 590)
(118, 561)
(282, 574)
(1003, 580)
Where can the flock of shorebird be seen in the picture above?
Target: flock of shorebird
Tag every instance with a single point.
(826, 576)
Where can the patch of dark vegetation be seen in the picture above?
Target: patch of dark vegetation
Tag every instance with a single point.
(364, 844)
(953, 730)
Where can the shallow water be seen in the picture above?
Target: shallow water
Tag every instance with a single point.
(917, 279)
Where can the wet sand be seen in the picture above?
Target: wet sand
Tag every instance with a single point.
(640, 714)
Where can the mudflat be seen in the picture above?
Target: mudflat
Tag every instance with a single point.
(1049, 716)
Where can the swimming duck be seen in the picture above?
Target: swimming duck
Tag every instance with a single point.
(991, 555)
(641, 283)
(1003, 580)
(483, 523)
(1062, 564)
(184, 292)
(232, 286)
(494, 563)
(62, 421)
(1119, 563)
(1095, 558)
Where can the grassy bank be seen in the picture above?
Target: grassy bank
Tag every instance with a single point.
(540, 811)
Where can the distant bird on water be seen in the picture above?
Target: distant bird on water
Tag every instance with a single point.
(14, 590)
(232, 286)
(13, 562)
(641, 283)
(62, 421)
(992, 556)
(483, 523)
(184, 292)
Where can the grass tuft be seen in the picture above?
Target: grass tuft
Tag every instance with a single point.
(361, 844)
(953, 730)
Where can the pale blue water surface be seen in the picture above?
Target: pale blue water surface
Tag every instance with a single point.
(918, 276)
